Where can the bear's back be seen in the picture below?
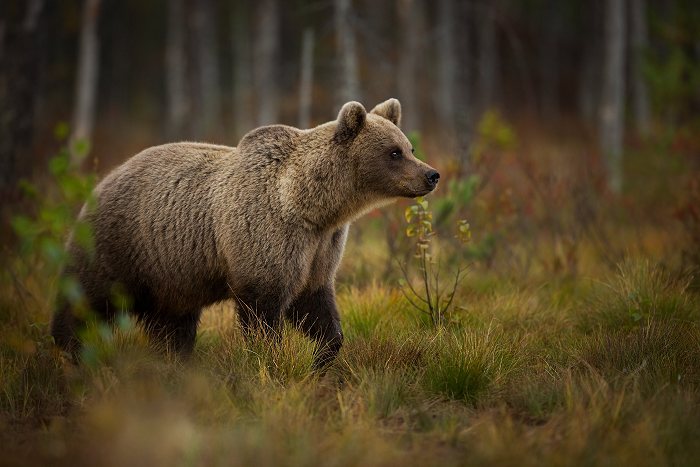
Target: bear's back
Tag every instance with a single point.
(153, 223)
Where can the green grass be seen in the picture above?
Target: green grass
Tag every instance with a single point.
(601, 369)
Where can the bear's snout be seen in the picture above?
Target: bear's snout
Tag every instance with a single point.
(432, 176)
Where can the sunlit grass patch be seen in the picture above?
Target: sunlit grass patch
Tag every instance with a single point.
(466, 365)
(284, 358)
(639, 291)
(370, 311)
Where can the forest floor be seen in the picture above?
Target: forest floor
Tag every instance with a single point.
(600, 368)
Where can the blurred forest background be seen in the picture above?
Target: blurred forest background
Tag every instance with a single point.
(551, 107)
(128, 74)
(541, 307)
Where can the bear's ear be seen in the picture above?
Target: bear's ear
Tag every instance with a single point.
(351, 119)
(389, 109)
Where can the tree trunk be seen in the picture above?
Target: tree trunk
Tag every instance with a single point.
(612, 105)
(242, 71)
(410, 13)
(209, 95)
(21, 43)
(549, 61)
(349, 87)
(176, 70)
(640, 41)
(447, 63)
(88, 71)
(590, 71)
(266, 45)
(306, 80)
(487, 80)
(464, 112)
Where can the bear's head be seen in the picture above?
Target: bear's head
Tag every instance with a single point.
(383, 159)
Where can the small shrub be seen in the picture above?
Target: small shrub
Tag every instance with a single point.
(427, 295)
(467, 365)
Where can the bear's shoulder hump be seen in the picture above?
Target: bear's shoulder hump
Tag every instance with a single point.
(272, 142)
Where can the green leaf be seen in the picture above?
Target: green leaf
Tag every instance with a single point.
(58, 165)
(81, 148)
(23, 226)
(28, 188)
(61, 131)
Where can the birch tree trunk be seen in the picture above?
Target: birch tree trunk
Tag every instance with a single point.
(242, 71)
(176, 70)
(208, 91)
(306, 80)
(487, 71)
(88, 72)
(349, 87)
(640, 40)
(612, 105)
(266, 45)
(409, 14)
(447, 62)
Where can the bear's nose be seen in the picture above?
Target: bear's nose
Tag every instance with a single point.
(433, 176)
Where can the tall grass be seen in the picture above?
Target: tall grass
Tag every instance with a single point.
(553, 373)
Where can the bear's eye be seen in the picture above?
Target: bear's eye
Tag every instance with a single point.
(396, 154)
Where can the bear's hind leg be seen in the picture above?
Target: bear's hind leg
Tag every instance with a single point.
(65, 326)
(69, 322)
(173, 333)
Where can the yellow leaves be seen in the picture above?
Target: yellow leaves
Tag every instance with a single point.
(464, 232)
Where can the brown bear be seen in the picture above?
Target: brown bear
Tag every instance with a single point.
(182, 226)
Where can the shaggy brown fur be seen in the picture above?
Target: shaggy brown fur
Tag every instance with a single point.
(182, 226)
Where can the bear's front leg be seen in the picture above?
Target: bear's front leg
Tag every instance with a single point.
(316, 315)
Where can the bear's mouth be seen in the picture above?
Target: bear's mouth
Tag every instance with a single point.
(409, 192)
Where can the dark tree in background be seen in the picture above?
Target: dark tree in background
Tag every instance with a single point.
(410, 14)
(176, 69)
(241, 82)
(446, 75)
(487, 65)
(306, 79)
(639, 38)
(265, 61)
(208, 109)
(22, 42)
